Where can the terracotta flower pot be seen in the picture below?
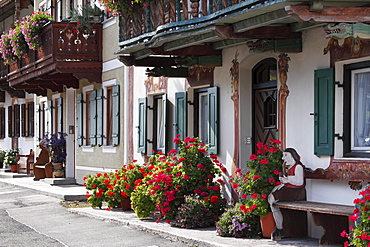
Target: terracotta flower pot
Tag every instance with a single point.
(14, 168)
(58, 166)
(126, 204)
(267, 225)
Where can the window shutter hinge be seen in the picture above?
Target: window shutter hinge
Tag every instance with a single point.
(339, 84)
(340, 137)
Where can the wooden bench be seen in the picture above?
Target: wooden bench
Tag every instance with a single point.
(333, 218)
(43, 167)
(27, 164)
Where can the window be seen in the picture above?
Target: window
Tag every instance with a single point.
(157, 131)
(91, 128)
(27, 119)
(205, 116)
(357, 108)
(88, 118)
(159, 121)
(201, 115)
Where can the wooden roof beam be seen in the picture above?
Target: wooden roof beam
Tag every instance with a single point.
(330, 14)
(279, 32)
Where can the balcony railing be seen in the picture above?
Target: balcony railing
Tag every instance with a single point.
(173, 14)
(65, 56)
(61, 43)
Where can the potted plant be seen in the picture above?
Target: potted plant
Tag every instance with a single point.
(84, 16)
(115, 188)
(263, 175)
(11, 159)
(6, 49)
(17, 41)
(175, 175)
(56, 145)
(2, 158)
(238, 224)
(118, 7)
(31, 28)
(360, 235)
(196, 212)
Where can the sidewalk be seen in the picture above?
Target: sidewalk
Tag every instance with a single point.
(198, 237)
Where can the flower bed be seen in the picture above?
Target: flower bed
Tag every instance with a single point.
(171, 183)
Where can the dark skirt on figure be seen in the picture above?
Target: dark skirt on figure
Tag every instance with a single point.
(290, 194)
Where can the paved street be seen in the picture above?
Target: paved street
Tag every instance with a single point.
(31, 219)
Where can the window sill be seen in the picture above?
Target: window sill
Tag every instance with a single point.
(87, 149)
(109, 149)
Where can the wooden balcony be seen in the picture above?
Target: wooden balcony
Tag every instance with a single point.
(63, 58)
(193, 32)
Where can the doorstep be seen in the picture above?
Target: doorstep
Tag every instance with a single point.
(59, 181)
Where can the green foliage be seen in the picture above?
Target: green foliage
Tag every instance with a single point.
(172, 177)
(17, 41)
(98, 184)
(2, 155)
(118, 7)
(142, 203)
(360, 236)
(235, 223)
(114, 187)
(263, 175)
(11, 157)
(196, 212)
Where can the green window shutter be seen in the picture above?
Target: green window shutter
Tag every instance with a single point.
(2, 121)
(79, 113)
(31, 119)
(17, 120)
(99, 116)
(142, 126)
(93, 118)
(181, 114)
(23, 120)
(10, 121)
(213, 120)
(115, 115)
(60, 114)
(324, 112)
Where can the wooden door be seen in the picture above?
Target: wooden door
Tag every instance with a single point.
(264, 102)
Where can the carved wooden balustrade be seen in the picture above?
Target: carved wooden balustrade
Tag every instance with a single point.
(59, 42)
(160, 12)
(75, 53)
